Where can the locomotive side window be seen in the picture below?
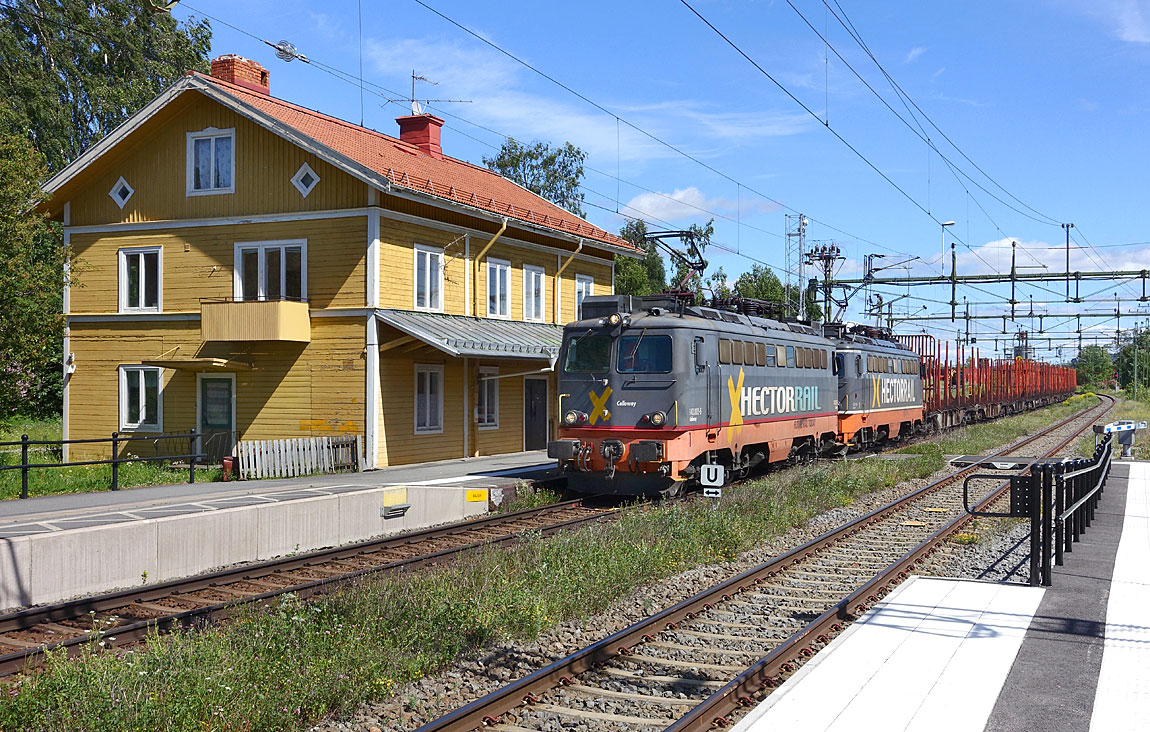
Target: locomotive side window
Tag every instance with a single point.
(748, 353)
(736, 352)
(781, 356)
(837, 364)
(858, 366)
(724, 350)
(588, 355)
(791, 356)
(769, 350)
(644, 354)
(760, 354)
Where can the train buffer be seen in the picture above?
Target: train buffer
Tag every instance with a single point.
(1124, 429)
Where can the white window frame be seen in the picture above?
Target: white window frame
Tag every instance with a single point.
(504, 266)
(297, 179)
(191, 160)
(491, 387)
(427, 251)
(121, 183)
(122, 279)
(530, 271)
(263, 246)
(587, 284)
(422, 368)
(122, 377)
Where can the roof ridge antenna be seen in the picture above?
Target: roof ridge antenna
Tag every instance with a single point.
(417, 104)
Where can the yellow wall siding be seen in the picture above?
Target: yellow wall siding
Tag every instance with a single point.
(397, 264)
(153, 161)
(198, 262)
(600, 273)
(296, 390)
(398, 442)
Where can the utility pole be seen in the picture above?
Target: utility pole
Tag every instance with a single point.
(1068, 227)
(826, 255)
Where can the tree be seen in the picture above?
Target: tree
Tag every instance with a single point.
(31, 283)
(759, 283)
(553, 173)
(1124, 363)
(75, 69)
(683, 277)
(645, 276)
(1093, 365)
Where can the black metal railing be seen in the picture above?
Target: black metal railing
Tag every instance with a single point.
(1059, 499)
(117, 441)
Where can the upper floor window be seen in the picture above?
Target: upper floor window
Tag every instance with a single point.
(584, 287)
(498, 288)
(533, 300)
(211, 162)
(273, 270)
(428, 278)
(140, 279)
(487, 408)
(141, 392)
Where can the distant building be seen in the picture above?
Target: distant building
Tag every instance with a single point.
(258, 270)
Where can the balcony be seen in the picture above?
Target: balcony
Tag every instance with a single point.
(256, 320)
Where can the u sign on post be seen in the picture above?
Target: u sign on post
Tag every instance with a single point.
(712, 478)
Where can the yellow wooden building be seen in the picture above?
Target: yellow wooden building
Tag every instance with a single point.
(258, 270)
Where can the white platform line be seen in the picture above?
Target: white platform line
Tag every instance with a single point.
(1122, 701)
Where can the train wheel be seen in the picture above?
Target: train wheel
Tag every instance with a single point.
(674, 490)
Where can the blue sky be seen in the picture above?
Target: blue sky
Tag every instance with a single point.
(1049, 99)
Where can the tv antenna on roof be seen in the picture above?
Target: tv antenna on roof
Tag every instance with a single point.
(417, 104)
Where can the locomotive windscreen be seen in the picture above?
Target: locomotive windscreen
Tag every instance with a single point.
(644, 354)
(588, 354)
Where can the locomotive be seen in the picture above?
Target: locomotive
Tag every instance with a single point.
(651, 389)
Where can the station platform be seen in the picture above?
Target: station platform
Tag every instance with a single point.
(941, 654)
(57, 547)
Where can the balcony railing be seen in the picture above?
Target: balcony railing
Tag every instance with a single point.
(255, 320)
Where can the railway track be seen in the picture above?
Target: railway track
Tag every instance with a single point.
(691, 666)
(127, 616)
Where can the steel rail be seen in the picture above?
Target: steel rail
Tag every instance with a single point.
(785, 658)
(488, 709)
(16, 661)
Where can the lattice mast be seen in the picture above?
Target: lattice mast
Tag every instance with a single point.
(796, 242)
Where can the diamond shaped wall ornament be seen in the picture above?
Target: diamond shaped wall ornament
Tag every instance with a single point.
(121, 192)
(305, 180)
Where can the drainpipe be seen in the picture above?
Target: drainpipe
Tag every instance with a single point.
(559, 282)
(478, 258)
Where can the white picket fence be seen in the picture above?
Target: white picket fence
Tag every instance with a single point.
(299, 456)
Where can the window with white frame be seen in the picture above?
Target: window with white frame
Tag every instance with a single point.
(273, 270)
(487, 410)
(141, 398)
(498, 288)
(533, 289)
(584, 287)
(305, 180)
(428, 278)
(428, 398)
(121, 192)
(211, 162)
(141, 279)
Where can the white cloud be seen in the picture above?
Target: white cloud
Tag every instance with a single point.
(1129, 20)
(689, 203)
(501, 99)
(995, 256)
(914, 53)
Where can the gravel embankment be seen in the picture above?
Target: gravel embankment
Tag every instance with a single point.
(1000, 554)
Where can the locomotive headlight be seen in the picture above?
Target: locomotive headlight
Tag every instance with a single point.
(614, 320)
(574, 417)
(657, 419)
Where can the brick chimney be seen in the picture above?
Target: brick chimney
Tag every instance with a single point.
(241, 72)
(421, 130)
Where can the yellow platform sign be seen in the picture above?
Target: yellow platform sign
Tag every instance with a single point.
(477, 495)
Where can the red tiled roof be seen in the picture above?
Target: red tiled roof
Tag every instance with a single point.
(407, 166)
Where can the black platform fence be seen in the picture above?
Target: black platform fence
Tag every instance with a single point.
(1059, 498)
(116, 441)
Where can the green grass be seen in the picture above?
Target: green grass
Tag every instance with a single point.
(529, 496)
(285, 667)
(80, 479)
